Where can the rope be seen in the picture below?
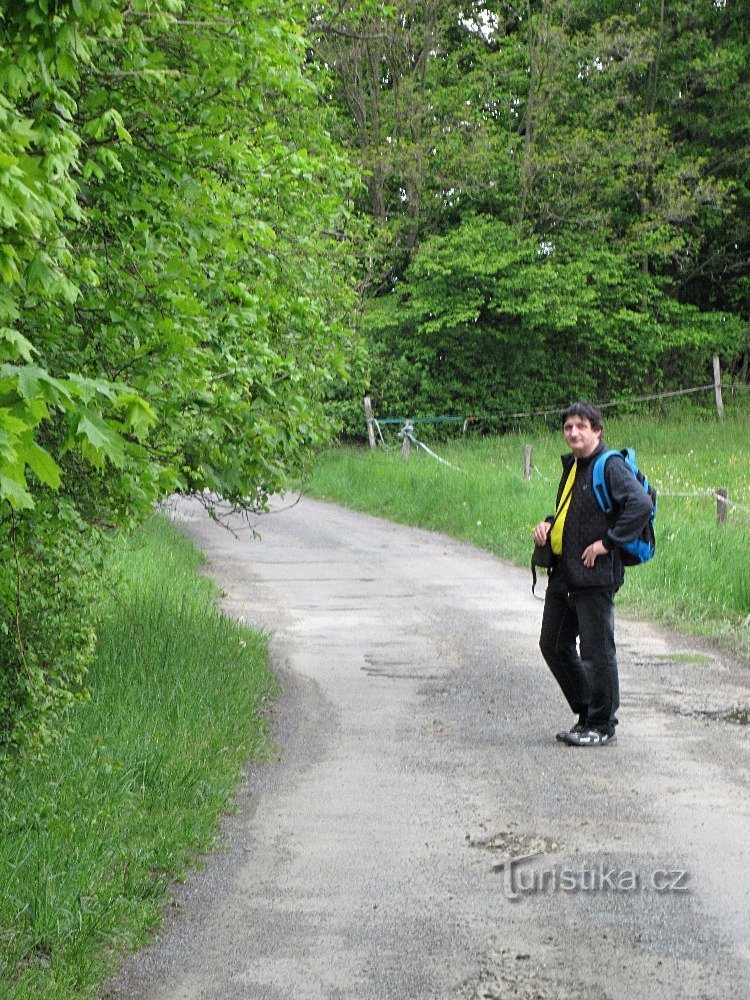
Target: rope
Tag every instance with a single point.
(419, 420)
(557, 410)
(406, 432)
(706, 493)
(539, 473)
(618, 402)
(380, 433)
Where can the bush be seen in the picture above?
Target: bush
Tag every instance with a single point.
(49, 582)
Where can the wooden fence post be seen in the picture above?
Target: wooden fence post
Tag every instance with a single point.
(370, 428)
(527, 462)
(717, 388)
(408, 428)
(721, 505)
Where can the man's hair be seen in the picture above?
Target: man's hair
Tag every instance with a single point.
(586, 411)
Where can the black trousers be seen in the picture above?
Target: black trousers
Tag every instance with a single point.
(589, 678)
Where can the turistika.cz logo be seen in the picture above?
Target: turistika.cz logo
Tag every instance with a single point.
(519, 880)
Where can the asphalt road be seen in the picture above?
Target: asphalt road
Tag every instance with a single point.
(421, 834)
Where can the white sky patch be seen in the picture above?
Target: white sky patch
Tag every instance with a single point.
(586, 69)
(482, 23)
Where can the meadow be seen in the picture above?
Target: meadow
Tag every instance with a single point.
(92, 836)
(699, 580)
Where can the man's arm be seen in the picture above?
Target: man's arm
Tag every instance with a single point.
(633, 509)
(632, 504)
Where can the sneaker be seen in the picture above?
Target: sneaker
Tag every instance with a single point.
(577, 728)
(589, 738)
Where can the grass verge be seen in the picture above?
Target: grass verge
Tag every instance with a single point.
(699, 580)
(92, 837)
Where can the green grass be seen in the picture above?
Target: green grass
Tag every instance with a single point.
(699, 580)
(92, 837)
(696, 658)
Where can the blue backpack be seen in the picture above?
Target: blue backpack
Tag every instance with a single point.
(641, 549)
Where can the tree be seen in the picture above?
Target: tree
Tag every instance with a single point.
(487, 322)
(595, 132)
(177, 288)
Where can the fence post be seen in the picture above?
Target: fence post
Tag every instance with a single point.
(717, 388)
(527, 462)
(408, 428)
(370, 428)
(721, 505)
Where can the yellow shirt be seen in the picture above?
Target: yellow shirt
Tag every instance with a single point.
(556, 535)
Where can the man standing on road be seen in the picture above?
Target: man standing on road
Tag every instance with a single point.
(586, 573)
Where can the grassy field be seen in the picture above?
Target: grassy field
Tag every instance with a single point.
(91, 839)
(699, 580)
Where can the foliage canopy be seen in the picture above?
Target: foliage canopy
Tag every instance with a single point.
(176, 284)
(561, 196)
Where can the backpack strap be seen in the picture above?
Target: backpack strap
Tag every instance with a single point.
(600, 483)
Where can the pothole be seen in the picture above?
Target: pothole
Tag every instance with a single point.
(511, 974)
(509, 846)
(395, 670)
(737, 716)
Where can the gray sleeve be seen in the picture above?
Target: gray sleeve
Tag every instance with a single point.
(632, 504)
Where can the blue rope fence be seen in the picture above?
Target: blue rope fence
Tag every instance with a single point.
(407, 423)
(550, 411)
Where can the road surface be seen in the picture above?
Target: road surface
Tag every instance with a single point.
(421, 834)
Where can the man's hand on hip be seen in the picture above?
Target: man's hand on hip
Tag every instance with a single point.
(592, 552)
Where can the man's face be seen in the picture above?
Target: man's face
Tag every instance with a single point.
(582, 439)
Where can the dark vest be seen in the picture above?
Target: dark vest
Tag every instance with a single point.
(585, 523)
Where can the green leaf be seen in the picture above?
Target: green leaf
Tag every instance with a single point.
(139, 416)
(41, 463)
(89, 388)
(39, 277)
(33, 382)
(15, 493)
(99, 441)
(13, 344)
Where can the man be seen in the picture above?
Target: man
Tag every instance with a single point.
(587, 572)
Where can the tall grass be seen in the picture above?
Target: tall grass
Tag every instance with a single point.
(699, 580)
(92, 837)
